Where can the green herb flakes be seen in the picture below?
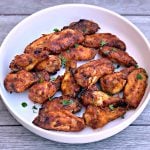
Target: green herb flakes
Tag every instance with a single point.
(41, 81)
(103, 43)
(63, 61)
(24, 104)
(52, 79)
(111, 107)
(139, 77)
(106, 53)
(67, 102)
(56, 30)
(50, 98)
(76, 45)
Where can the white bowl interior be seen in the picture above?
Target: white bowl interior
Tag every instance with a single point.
(57, 17)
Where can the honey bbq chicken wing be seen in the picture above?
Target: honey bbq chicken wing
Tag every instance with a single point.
(115, 82)
(62, 102)
(98, 40)
(84, 26)
(26, 62)
(52, 64)
(69, 86)
(89, 73)
(20, 81)
(79, 53)
(135, 87)
(60, 120)
(96, 117)
(118, 56)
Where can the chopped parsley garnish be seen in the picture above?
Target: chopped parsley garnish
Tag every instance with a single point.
(139, 77)
(136, 66)
(114, 49)
(34, 108)
(56, 30)
(68, 51)
(50, 98)
(76, 45)
(41, 81)
(106, 53)
(111, 107)
(122, 117)
(103, 43)
(63, 61)
(52, 79)
(67, 102)
(24, 104)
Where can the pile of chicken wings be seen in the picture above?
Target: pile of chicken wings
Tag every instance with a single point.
(94, 85)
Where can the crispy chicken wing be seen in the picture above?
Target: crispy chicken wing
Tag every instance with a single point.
(117, 55)
(103, 39)
(39, 45)
(69, 86)
(20, 81)
(97, 117)
(135, 87)
(79, 53)
(115, 82)
(40, 92)
(99, 98)
(52, 64)
(62, 102)
(26, 62)
(89, 73)
(42, 75)
(84, 26)
(60, 120)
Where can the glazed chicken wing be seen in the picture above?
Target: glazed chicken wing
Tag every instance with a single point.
(103, 39)
(40, 92)
(79, 53)
(99, 98)
(52, 64)
(60, 103)
(135, 87)
(89, 73)
(60, 120)
(69, 86)
(97, 117)
(20, 81)
(84, 26)
(117, 55)
(26, 62)
(115, 82)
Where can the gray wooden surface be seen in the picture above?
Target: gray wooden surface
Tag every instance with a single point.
(15, 137)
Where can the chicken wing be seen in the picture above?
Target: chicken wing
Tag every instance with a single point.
(135, 87)
(117, 55)
(84, 26)
(40, 92)
(114, 83)
(69, 86)
(89, 73)
(25, 62)
(98, 40)
(61, 103)
(60, 120)
(39, 45)
(20, 81)
(99, 98)
(79, 53)
(42, 75)
(97, 117)
(52, 64)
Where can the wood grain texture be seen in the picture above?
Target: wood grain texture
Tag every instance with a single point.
(19, 138)
(131, 7)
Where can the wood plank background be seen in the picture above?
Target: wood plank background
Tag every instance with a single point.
(15, 137)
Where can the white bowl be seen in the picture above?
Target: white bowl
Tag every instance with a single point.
(45, 21)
